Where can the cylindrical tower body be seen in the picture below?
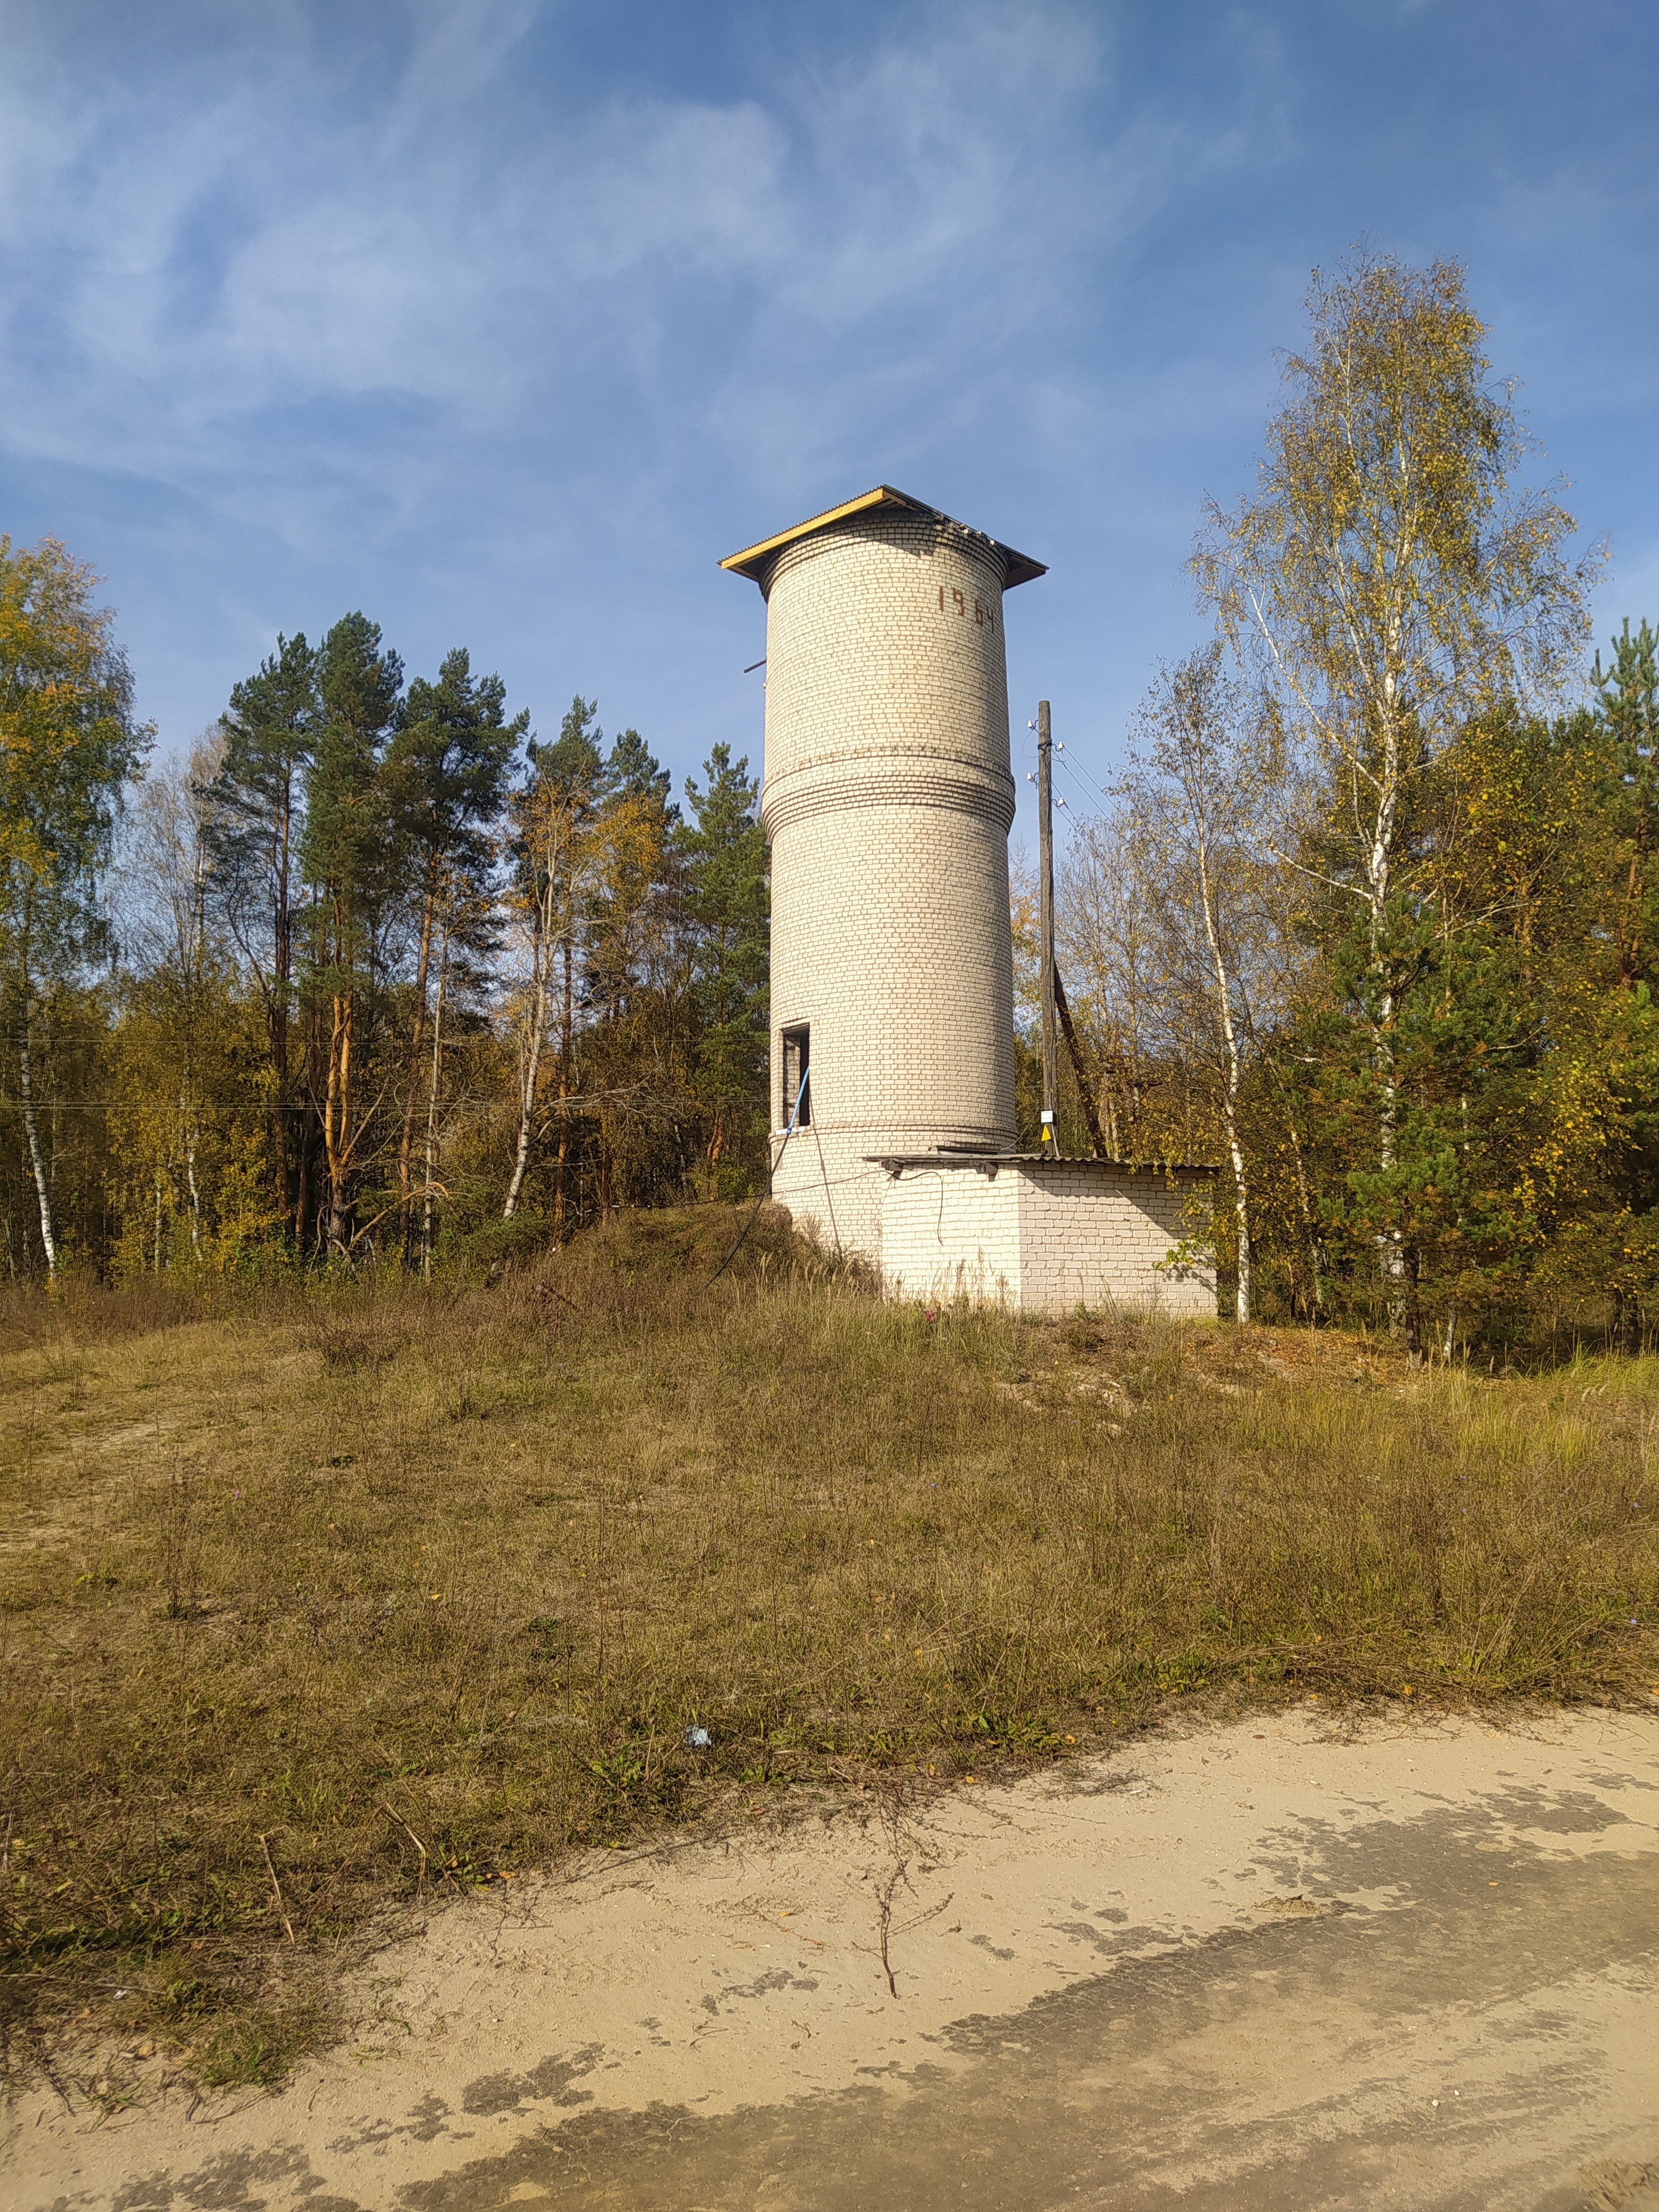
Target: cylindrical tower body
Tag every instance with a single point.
(887, 799)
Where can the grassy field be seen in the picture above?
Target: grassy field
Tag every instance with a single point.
(318, 1605)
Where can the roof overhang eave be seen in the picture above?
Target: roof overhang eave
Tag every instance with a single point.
(754, 560)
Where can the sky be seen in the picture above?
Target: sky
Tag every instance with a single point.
(505, 319)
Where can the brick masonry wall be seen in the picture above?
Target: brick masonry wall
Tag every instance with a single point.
(887, 799)
(1090, 1237)
(951, 1233)
(1045, 1240)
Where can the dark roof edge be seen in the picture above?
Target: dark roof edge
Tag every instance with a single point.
(964, 1159)
(754, 559)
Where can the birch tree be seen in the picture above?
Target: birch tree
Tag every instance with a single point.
(1204, 792)
(68, 745)
(1106, 944)
(180, 998)
(1391, 576)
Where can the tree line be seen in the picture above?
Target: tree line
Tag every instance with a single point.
(1369, 915)
(376, 974)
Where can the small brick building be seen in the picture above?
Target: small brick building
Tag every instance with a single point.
(887, 798)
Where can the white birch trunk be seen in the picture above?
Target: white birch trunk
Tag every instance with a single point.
(427, 1210)
(530, 1069)
(31, 1130)
(1229, 1101)
(195, 1192)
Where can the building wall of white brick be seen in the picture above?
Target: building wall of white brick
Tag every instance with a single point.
(887, 798)
(950, 1233)
(1045, 1238)
(1097, 1236)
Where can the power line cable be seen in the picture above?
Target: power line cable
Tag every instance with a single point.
(1080, 776)
(1088, 791)
(794, 1123)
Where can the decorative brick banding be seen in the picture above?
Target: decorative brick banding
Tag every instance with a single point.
(888, 797)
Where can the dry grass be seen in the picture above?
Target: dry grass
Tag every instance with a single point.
(320, 1605)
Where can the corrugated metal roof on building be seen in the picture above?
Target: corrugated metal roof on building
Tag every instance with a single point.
(973, 1160)
(1017, 567)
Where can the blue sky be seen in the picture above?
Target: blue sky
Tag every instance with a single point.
(503, 319)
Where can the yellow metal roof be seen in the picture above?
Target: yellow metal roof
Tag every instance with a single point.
(1019, 567)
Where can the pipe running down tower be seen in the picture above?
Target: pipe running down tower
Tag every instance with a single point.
(887, 798)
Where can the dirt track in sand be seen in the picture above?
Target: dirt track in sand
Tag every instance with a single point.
(1287, 1963)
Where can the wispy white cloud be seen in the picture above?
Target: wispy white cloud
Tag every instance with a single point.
(186, 257)
(497, 315)
(178, 269)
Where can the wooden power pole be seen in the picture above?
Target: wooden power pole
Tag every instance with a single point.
(1046, 902)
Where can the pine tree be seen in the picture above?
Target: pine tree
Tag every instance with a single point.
(348, 858)
(729, 906)
(446, 775)
(1628, 692)
(257, 815)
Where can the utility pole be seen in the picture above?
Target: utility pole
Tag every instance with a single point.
(1046, 869)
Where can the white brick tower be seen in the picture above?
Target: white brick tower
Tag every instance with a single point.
(887, 799)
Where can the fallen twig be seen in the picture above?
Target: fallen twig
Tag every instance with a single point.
(398, 1819)
(276, 1891)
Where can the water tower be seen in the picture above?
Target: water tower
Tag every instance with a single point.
(887, 798)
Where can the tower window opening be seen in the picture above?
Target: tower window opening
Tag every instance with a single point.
(797, 1063)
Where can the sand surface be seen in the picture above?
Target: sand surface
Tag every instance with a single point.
(1291, 1962)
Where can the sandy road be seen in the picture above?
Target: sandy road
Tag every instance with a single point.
(1281, 1964)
